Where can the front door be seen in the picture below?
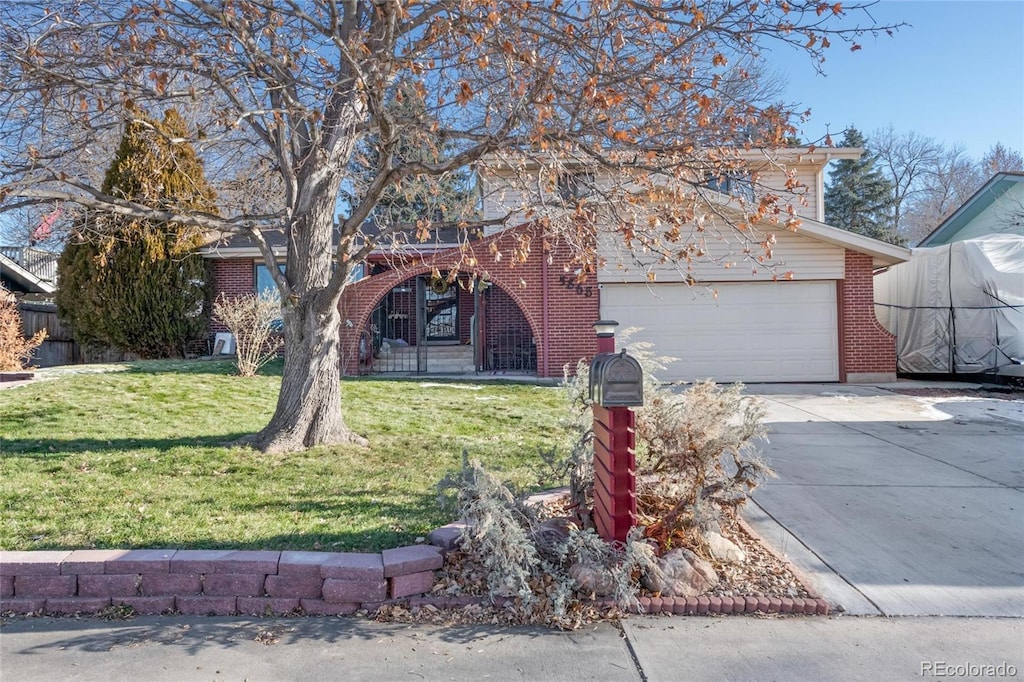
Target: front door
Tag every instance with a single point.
(441, 311)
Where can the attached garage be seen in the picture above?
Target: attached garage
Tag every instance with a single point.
(752, 331)
(815, 324)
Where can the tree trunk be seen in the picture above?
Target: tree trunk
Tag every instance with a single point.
(309, 406)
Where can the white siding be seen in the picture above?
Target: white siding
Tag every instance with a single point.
(499, 197)
(804, 199)
(760, 331)
(806, 258)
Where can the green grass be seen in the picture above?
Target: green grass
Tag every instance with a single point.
(136, 458)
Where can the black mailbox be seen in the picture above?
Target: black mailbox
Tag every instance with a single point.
(616, 380)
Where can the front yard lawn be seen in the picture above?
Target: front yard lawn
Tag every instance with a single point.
(135, 457)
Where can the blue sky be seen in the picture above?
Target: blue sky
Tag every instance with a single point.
(955, 74)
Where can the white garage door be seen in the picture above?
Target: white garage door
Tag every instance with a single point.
(764, 331)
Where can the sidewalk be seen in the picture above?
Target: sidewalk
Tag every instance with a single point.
(642, 648)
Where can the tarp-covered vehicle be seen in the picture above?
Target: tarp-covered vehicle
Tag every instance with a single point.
(957, 308)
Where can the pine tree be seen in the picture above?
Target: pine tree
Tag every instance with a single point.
(859, 197)
(136, 285)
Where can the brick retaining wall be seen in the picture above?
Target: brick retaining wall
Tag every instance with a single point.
(219, 582)
(265, 583)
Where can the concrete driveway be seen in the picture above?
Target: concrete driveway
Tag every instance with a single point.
(897, 505)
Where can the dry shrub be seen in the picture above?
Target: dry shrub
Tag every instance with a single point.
(698, 456)
(696, 448)
(696, 461)
(15, 349)
(251, 319)
(507, 550)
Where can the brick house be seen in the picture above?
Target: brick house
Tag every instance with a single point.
(497, 317)
(534, 317)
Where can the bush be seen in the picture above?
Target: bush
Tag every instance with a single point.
(696, 454)
(251, 319)
(548, 566)
(15, 349)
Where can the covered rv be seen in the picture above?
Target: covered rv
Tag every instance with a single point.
(957, 308)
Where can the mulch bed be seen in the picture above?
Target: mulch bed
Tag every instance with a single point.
(762, 585)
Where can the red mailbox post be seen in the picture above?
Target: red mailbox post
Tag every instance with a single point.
(616, 383)
(614, 472)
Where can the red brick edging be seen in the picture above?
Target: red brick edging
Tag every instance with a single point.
(219, 582)
(262, 583)
(679, 606)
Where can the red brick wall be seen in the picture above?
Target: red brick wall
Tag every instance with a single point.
(865, 347)
(232, 276)
(507, 332)
(564, 333)
(465, 310)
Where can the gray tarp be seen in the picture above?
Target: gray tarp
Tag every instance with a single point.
(958, 308)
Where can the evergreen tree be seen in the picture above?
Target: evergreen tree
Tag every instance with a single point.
(859, 197)
(140, 286)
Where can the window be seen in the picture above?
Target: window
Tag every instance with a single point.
(575, 186)
(733, 185)
(357, 272)
(264, 282)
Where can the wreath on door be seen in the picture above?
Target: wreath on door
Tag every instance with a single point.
(439, 285)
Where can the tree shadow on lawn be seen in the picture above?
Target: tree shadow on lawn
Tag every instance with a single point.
(381, 525)
(274, 368)
(396, 523)
(53, 448)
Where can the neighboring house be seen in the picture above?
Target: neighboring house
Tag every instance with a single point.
(31, 274)
(996, 208)
(535, 317)
(956, 306)
(28, 271)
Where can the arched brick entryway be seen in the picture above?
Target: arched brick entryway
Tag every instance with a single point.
(471, 324)
(557, 311)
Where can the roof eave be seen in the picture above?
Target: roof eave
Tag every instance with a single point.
(818, 156)
(226, 252)
(939, 235)
(25, 277)
(882, 253)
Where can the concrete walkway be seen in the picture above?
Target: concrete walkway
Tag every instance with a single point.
(681, 648)
(898, 505)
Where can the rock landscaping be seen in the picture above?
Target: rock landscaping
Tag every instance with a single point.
(416, 583)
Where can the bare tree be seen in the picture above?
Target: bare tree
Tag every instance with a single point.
(910, 160)
(931, 180)
(950, 181)
(1002, 159)
(290, 87)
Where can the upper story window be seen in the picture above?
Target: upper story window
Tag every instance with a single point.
(575, 186)
(732, 184)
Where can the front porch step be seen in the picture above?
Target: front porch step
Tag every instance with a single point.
(439, 360)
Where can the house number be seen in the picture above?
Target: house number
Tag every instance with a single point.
(572, 285)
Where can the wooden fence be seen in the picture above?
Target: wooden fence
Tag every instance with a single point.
(59, 348)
